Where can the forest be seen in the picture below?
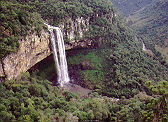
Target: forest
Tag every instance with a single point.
(127, 84)
(151, 24)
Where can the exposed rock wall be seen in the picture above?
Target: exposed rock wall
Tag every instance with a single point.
(32, 50)
(2, 74)
(74, 30)
(35, 48)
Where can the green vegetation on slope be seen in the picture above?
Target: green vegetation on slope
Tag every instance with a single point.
(125, 66)
(128, 7)
(152, 21)
(31, 99)
(19, 18)
(117, 67)
(151, 26)
(89, 65)
(122, 67)
(17, 21)
(57, 11)
(116, 71)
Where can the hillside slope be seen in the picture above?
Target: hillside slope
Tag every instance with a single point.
(114, 67)
(17, 20)
(129, 7)
(120, 67)
(151, 23)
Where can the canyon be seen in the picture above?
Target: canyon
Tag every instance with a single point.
(34, 48)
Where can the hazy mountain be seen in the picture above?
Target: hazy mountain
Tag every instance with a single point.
(127, 7)
(151, 23)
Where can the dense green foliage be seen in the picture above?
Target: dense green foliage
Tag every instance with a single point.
(118, 66)
(18, 18)
(90, 67)
(17, 21)
(150, 24)
(124, 66)
(115, 67)
(115, 73)
(57, 11)
(32, 99)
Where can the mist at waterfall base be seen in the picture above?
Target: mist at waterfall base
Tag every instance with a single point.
(47, 68)
(59, 56)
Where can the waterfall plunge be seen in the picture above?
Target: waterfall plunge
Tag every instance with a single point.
(144, 48)
(59, 56)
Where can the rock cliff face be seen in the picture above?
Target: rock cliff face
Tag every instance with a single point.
(74, 32)
(75, 29)
(32, 50)
(35, 48)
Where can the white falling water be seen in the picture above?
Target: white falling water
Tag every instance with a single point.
(59, 56)
(144, 48)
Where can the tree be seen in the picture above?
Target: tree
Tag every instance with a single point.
(158, 105)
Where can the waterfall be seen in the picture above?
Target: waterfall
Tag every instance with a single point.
(144, 48)
(59, 55)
